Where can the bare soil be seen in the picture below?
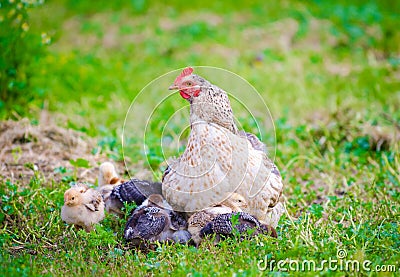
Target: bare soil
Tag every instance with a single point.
(26, 148)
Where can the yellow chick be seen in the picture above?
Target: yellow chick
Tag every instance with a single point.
(83, 208)
(107, 180)
(108, 175)
(81, 187)
(234, 203)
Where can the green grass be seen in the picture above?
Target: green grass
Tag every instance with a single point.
(329, 70)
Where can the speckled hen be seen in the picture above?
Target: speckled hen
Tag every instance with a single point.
(219, 159)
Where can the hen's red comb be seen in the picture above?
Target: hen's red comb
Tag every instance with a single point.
(186, 72)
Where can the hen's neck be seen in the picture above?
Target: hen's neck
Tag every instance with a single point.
(197, 109)
(212, 106)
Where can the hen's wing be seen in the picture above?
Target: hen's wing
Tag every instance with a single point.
(254, 141)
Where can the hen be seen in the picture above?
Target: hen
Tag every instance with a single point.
(83, 207)
(219, 159)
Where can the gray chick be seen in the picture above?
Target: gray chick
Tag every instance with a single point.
(134, 190)
(154, 221)
(246, 225)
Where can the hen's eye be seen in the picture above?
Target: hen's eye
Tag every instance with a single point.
(189, 83)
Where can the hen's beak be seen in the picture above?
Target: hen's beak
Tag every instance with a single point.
(173, 87)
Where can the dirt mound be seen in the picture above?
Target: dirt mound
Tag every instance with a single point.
(25, 148)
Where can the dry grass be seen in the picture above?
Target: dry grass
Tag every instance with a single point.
(26, 148)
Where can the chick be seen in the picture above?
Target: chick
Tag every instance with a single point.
(107, 179)
(155, 221)
(134, 190)
(178, 222)
(181, 236)
(234, 203)
(82, 207)
(108, 175)
(247, 225)
(81, 187)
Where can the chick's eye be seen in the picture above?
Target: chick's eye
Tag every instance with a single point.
(73, 198)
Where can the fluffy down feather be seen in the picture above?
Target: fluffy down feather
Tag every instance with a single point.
(108, 175)
(152, 222)
(254, 141)
(246, 225)
(134, 190)
(107, 180)
(234, 203)
(83, 207)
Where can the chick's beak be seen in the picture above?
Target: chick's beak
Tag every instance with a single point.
(173, 87)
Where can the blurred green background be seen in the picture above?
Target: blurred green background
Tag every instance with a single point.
(84, 56)
(85, 61)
